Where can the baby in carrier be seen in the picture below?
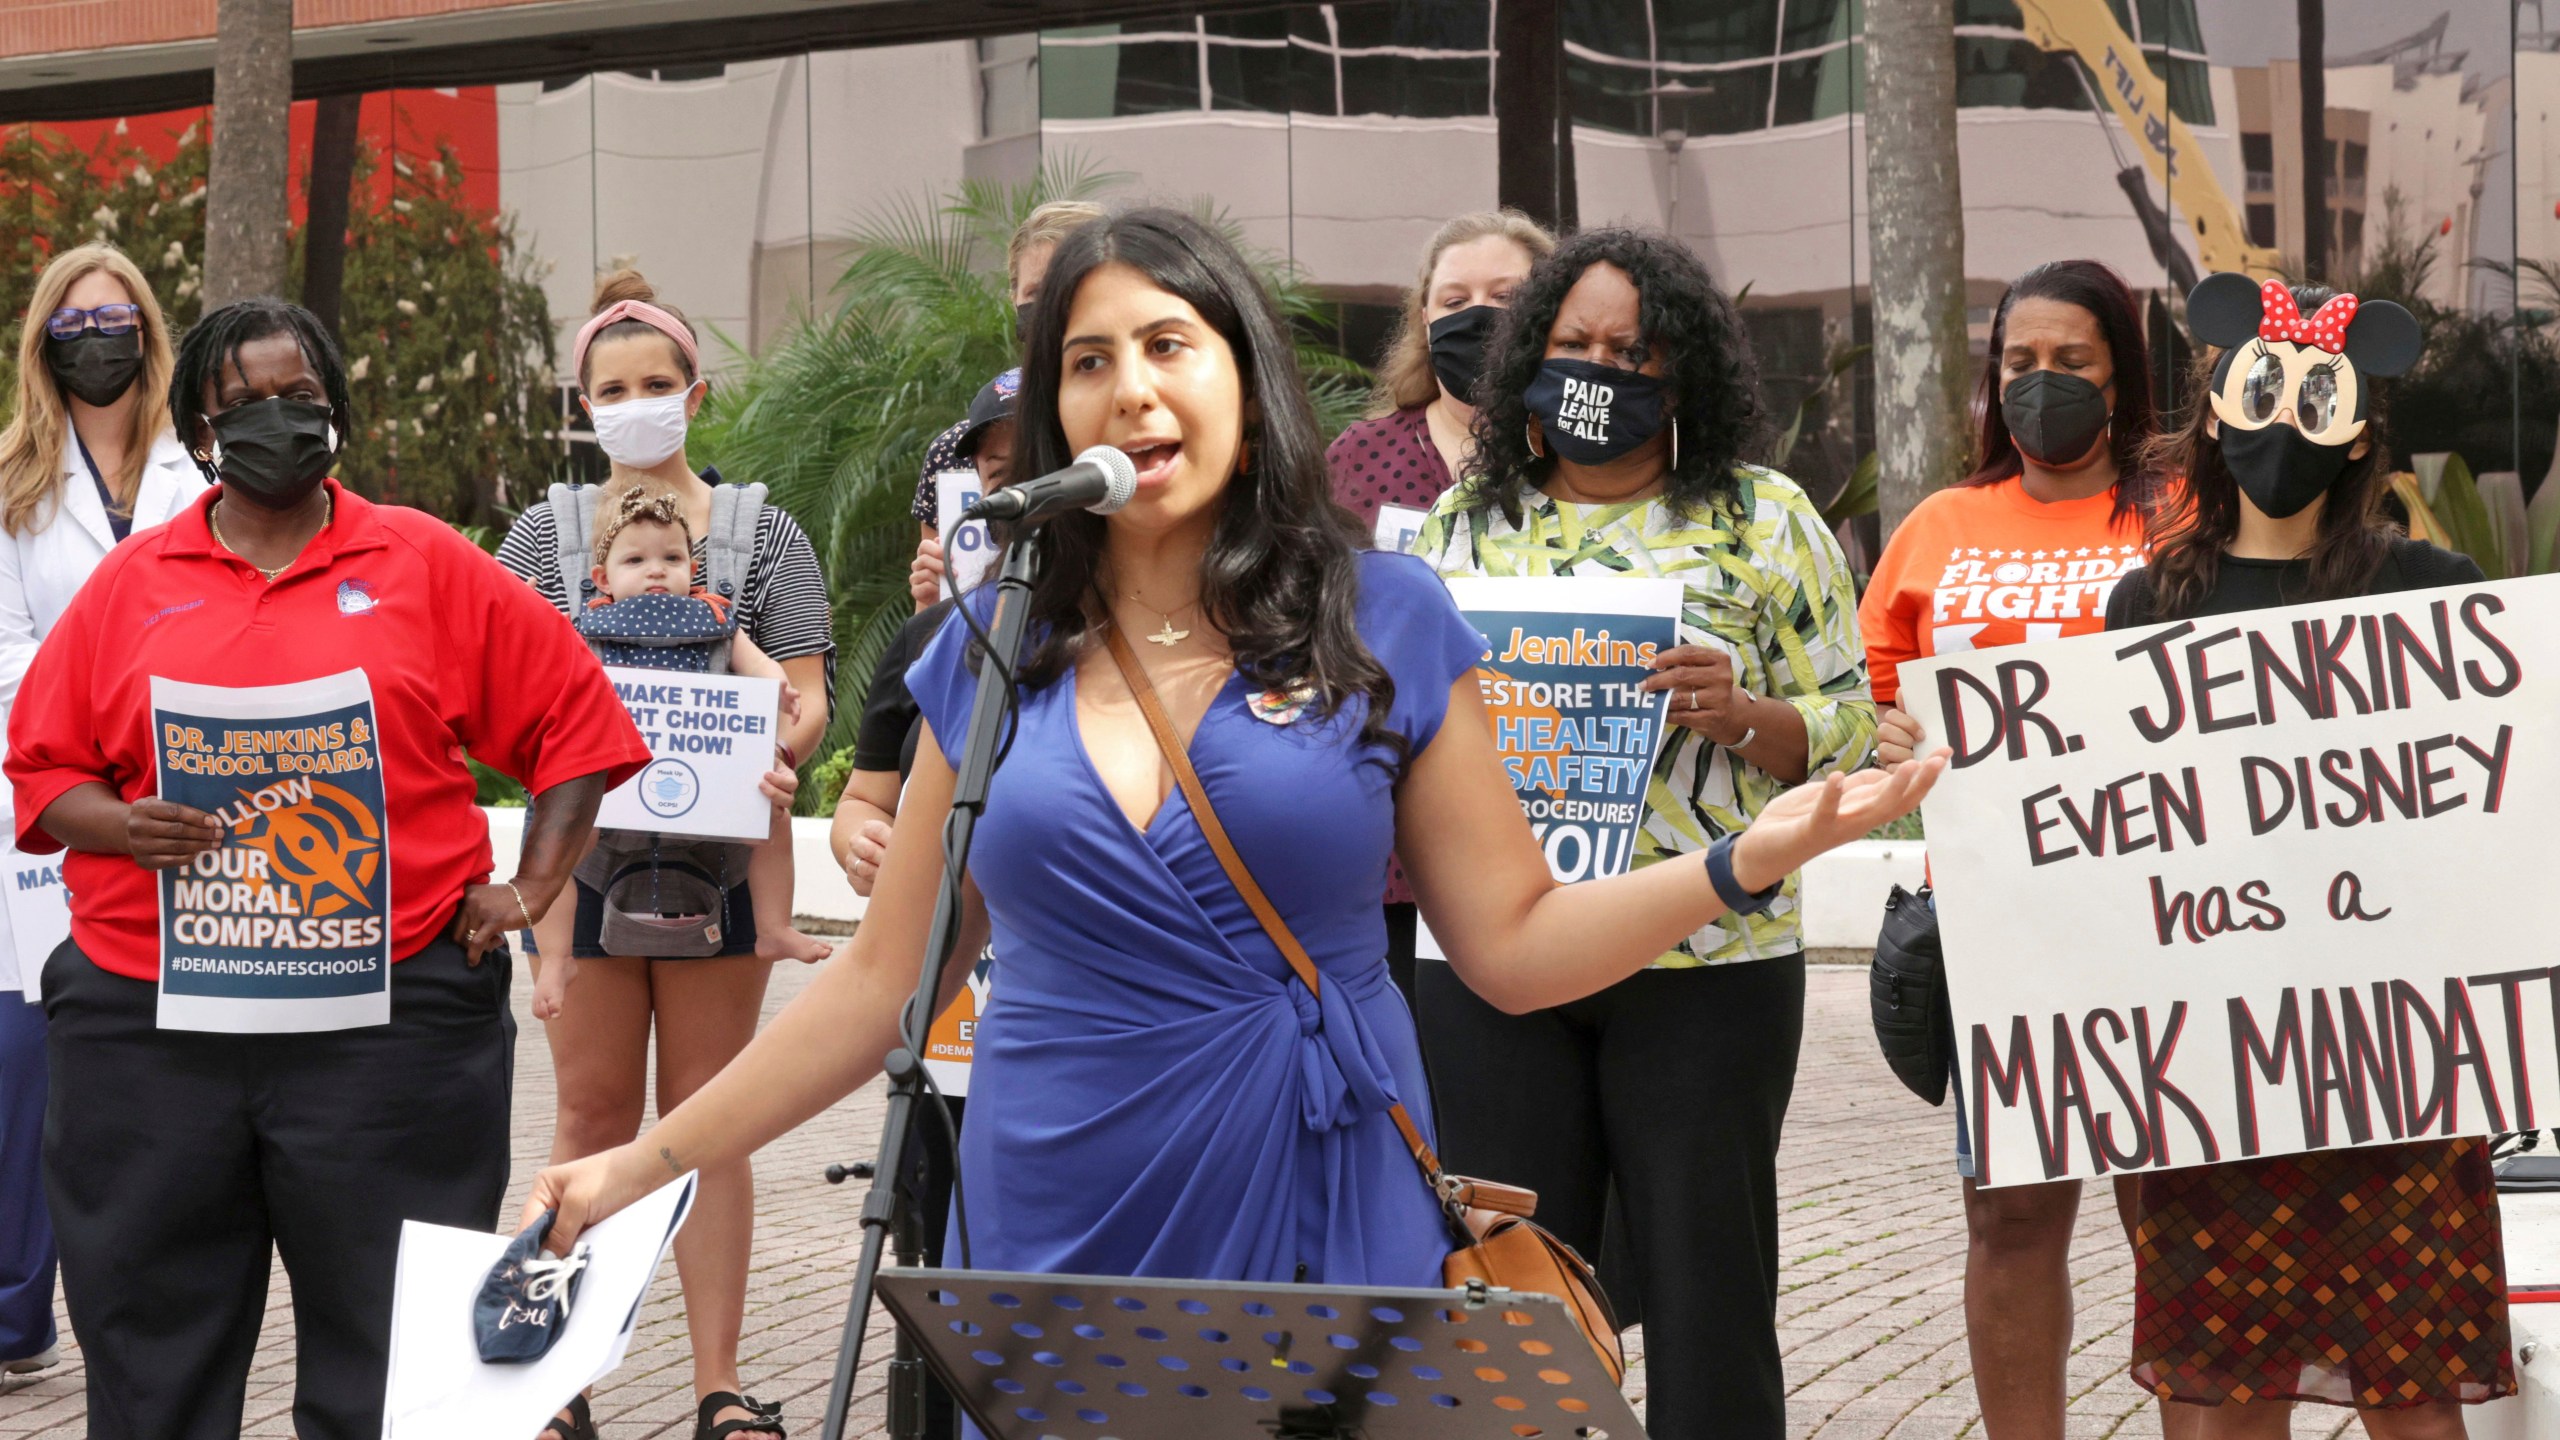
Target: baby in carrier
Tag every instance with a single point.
(665, 896)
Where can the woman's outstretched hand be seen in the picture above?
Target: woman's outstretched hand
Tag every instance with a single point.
(591, 1189)
(1826, 814)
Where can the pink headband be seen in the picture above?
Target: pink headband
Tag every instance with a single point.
(647, 314)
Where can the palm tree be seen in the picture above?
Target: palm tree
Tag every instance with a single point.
(834, 419)
(245, 224)
(1915, 247)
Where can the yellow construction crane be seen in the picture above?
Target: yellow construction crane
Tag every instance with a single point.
(2127, 85)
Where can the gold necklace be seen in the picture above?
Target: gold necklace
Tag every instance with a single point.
(213, 518)
(1166, 635)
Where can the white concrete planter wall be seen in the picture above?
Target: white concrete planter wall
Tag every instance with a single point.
(1843, 891)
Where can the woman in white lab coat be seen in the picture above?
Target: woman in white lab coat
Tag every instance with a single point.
(87, 459)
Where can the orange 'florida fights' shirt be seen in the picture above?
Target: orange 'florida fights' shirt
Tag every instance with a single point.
(1984, 565)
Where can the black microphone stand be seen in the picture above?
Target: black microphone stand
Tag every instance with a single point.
(883, 1210)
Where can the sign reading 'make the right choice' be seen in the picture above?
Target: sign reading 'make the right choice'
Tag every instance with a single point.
(2252, 884)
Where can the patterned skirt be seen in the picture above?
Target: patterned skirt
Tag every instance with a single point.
(2372, 1277)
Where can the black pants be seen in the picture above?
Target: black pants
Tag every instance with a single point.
(26, 1230)
(1403, 923)
(932, 1159)
(1673, 1084)
(174, 1160)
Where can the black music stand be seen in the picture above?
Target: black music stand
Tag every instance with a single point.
(1071, 1357)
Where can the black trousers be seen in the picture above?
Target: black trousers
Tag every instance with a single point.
(1673, 1084)
(175, 1160)
(1403, 926)
(932, 1160)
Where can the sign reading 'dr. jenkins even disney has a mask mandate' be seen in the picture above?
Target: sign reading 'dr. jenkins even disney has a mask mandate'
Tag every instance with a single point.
(2251, 884)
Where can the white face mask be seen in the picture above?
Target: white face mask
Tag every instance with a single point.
(641, 433)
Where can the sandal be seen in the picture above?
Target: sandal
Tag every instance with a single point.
(767, 1418)
(581, 1424)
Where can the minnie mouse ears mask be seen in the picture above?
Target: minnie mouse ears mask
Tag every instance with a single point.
(2318, 369)
(2376, 336)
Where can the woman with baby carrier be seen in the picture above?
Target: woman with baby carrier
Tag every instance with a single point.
(667, 568)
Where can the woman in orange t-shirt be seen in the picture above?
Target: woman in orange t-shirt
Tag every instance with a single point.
(2025, 548)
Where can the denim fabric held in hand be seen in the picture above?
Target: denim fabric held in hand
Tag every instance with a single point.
(524, 1304)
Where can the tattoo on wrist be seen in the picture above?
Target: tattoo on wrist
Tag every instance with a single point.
(669, 1156)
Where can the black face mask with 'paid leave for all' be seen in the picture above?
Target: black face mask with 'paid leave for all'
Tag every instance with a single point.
(1593, 414)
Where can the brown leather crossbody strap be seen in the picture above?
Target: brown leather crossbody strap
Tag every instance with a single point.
(1170, 741)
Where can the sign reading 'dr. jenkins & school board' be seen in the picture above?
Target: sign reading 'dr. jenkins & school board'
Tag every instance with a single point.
(2251, 884)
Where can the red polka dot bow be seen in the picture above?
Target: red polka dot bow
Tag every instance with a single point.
(2283, 320)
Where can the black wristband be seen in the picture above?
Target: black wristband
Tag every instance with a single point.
(1729, 889)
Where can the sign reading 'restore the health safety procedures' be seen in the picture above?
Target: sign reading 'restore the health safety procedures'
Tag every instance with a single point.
(2250, 884)
(1565, 661)
(711, 740)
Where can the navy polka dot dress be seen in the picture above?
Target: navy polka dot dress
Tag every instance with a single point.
(656, 632)
(1389, 460)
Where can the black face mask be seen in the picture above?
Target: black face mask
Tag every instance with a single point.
(94, 366)
(1457, 349)
(2055, 418)
(274, 452)
(2281, 469)
(1593, 414)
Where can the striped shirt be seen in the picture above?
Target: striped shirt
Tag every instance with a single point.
(783, 606)
(1767, 584)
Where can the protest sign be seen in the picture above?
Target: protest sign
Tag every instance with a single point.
(1398, 527)
(954, 1041)
(2247, 885)
(39, 914)
(710, 740)
(968, 551)
(1564, 660)
(286, 927)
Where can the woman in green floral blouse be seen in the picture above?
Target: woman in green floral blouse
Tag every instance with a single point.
(1619, 396)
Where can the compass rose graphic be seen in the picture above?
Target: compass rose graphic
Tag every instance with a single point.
(328, 847)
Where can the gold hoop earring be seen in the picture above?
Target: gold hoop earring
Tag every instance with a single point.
(1529, 432)
(1675, 444)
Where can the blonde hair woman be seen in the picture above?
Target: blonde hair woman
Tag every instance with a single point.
(1413, 445)
(86, 459)
(1414, 442)
(1026, 264)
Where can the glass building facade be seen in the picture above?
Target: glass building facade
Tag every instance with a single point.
(1340, 136)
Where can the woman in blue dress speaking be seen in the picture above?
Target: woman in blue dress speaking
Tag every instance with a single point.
(1155, 1093)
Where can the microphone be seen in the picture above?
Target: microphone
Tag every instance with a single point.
(1101, 480)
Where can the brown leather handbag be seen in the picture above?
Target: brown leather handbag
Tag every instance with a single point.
(1496, 1242)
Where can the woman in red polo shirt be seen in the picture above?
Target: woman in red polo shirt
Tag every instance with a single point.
(248, 731)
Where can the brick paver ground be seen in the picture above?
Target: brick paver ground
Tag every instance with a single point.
(1871, 1318)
